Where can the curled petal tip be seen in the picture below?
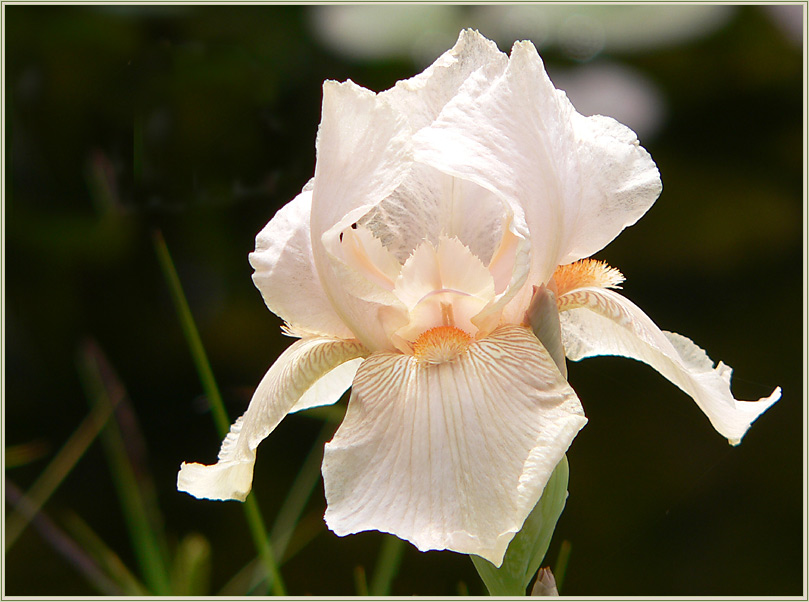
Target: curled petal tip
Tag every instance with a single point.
(222, 481)
(756, 408)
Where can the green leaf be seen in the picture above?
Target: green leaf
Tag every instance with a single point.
(61, 465)
(107, 560)
(252, 513)
(124, 450)
(527, 550)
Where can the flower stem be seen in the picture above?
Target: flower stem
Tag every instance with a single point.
(203, 366)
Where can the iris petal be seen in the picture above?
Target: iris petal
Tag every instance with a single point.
(601, 322)
(301, 366)
(362, 156)
(285, 272)
(455, 455)
(577, 181)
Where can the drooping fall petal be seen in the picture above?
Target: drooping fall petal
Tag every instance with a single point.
(454, 455)
(297, 370)
(596, 321)
(329, 388)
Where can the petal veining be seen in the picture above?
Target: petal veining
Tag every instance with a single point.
(429, 204)
(601, 322)
(301, 366)
(454, 455)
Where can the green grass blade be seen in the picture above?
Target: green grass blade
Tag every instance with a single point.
(191, 572)
(145, 529)
(198, 354)
(299, 494)
(360, 582)
(25, 453)
(287, 518)
(309, 527)
(53, 475)
(560, 568)
(263, 545)
(333, 414)
(63, 544)
(104, 556)
(387, 565)
(254, 520)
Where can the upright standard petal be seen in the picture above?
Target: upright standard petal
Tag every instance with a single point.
(596, 321)
(285, 272)
(362, 156)
(430, 204)
(618, 182)
(295, 372)
(578, 180)
(452, 455)
(422, 97)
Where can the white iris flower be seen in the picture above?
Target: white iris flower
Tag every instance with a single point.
(437, 265)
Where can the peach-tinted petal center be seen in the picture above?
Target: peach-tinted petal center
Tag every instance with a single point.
(441, 344)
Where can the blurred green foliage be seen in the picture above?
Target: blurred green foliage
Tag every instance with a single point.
(201, 121)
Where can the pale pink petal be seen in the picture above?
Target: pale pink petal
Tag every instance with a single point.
(363, 154)
(330, 387)
(450, 265)
(453, 455)
(443, 286)
(514, 140)
(422, 97)
(295, 371)
(361, 250)
(430, 204)
(506, 257)
(597, 321)
(285, 272)
(510, 267)
(578, 181)
(618, 182)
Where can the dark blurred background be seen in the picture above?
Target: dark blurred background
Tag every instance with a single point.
(200, 121)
